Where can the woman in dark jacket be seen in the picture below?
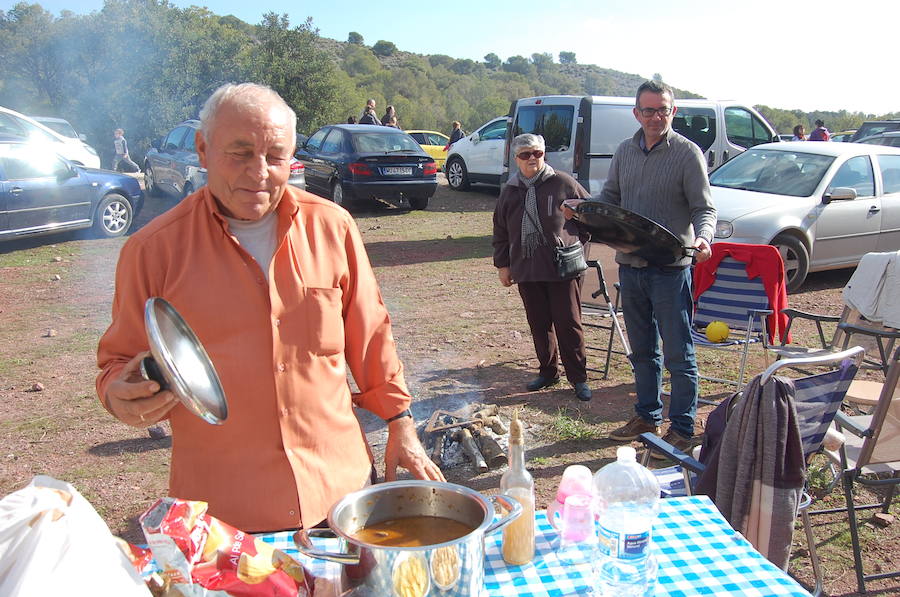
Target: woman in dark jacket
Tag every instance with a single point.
(528, 225)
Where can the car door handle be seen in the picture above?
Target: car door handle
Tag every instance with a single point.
(15, 191)
(711, 158)
(874, 209)
(724, 156)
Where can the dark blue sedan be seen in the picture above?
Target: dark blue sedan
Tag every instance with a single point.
(360, 161)
(43, 193)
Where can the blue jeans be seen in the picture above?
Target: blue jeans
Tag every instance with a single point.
(657, 302)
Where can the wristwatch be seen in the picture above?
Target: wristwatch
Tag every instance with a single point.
(405, 413)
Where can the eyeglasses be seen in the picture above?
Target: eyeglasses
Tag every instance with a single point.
(665, 111)
(526, 155)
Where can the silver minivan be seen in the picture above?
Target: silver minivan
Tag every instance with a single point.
(582, 132)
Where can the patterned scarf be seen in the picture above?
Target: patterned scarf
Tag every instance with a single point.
(532, 230)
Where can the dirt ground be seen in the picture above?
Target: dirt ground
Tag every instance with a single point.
(462, 336)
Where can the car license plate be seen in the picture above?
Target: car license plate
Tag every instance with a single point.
(398, 171)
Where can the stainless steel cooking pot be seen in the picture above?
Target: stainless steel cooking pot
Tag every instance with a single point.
(452, 569)
(631, 233)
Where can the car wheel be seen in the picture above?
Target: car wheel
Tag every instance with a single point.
(796, 260)
(337, 193)
(418, 202)
(457, 176)
(150, 188)
(113, 217)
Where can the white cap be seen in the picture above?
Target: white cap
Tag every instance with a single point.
(626, 454)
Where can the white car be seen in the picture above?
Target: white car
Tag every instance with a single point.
(71, 148)
(824, 205)
(478, 158)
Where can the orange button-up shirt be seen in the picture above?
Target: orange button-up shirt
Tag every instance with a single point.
(292, 445)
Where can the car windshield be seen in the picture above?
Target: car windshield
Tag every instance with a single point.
(384, 143)
(62, 127)
(791, 173)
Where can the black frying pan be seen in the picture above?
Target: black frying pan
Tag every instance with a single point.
(631, 233)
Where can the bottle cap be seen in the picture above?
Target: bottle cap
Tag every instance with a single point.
(515, 429)
(626, 454)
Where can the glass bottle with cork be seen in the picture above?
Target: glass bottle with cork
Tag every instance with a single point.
(516, 482)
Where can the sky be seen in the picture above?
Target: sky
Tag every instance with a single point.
(791, 54)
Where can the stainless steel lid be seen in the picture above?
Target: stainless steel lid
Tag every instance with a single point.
(183, 363)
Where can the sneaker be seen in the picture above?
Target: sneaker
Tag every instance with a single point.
(677, 441)
(632, 429)
(582, 391)
(540, 382)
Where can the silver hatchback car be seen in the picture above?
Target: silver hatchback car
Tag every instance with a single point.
(172, 166)
(824, 205)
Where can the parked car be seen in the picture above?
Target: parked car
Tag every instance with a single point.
(61, 126)
(43, 193)
(73, 149)
(583, 132)
(875, 127)
(478, 157)
(824, 205)
(843, 136)
(363, 161)
(173, 167)
(890, 138)
(433, 143)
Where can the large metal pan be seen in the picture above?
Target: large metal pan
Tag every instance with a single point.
(631, 233)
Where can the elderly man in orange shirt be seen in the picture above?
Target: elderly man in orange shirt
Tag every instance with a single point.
(277, 285)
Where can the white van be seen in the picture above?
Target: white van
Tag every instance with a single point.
(583, 132)
(71, 148)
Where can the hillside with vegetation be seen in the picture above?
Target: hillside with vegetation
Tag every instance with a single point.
(145, 65)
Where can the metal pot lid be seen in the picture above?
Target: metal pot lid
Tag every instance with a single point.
(628, 232)
(183, 362)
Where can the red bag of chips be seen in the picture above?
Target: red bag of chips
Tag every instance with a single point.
(198, 552)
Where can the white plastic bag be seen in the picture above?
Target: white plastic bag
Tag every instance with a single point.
(53, 542)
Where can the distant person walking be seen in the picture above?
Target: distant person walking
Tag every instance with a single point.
(390, 113)
(455, 135)
(820, 133)
(368, 115)
(799, 133)
(122, 163)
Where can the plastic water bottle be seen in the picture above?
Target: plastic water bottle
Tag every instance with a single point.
(626, 497)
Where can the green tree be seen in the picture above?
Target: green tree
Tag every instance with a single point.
(543, 62)
(384, 48)
(492, 61)
(519, 64)
(355, 38)
(567, 58)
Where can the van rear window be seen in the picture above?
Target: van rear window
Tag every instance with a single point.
(554, 123)
(697, 124)
(611, 124)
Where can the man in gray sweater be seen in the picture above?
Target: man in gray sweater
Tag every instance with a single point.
(661, 175)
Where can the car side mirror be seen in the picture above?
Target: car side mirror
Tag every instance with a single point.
(839, 194)
(65, 173)
(474, 138)
(156, 144)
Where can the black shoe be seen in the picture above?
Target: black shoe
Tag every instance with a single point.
(582, 391)
(541, 382)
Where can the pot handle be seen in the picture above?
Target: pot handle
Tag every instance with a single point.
(509, 503)
(305, 546)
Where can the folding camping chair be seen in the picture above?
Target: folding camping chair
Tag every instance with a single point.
(602, 314)
(870, 456)
(817, 399)
(726, 291)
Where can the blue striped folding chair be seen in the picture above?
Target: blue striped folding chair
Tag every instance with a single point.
(817, 400)
(739, 302)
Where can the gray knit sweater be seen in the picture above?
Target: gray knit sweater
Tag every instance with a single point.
(669, 185)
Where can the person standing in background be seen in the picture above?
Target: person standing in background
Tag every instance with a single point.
(121, 147)
(820, 133)
(455, 135)
(368, 115)
(799, 133)
(390, 113)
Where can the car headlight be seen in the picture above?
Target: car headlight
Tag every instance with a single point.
(724, 229)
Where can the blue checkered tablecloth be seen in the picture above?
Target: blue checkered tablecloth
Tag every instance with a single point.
(697, 551)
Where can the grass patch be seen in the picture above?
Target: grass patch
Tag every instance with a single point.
(540, 461)
(565, 427)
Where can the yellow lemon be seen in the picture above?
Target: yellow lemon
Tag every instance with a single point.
(717, 331)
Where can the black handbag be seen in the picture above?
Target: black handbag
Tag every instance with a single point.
(570, 262)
